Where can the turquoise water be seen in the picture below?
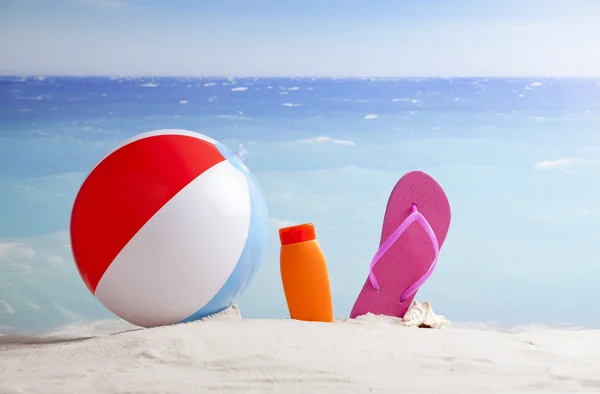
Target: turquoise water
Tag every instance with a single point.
(518, 158)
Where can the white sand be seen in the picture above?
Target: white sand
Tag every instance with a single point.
(367, 355)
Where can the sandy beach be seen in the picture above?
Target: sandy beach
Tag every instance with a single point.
(371, 354)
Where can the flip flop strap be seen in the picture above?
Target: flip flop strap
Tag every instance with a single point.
(415, 216)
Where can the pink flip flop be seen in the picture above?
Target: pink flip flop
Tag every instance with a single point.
(417, 219)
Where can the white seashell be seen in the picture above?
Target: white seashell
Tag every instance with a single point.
(422, 315)
(416, 314)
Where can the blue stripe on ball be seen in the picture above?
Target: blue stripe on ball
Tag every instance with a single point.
(254, 249)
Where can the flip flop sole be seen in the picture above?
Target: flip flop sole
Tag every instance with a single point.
(411, 256)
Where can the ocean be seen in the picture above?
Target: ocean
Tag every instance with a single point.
(518, 158)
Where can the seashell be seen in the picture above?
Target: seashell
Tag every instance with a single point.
(422, 315)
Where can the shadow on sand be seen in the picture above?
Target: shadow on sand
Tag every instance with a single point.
(32, 340)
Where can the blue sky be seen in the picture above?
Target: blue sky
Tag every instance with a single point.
(308, 37)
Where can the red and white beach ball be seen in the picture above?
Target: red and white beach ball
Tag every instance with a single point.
(168, 227)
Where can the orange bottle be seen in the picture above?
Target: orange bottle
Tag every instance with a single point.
(304, 274)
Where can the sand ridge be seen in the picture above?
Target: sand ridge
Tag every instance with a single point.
(370, 354)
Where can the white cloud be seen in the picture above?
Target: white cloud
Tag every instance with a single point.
(281, 223)
(56, 260)
(291, 105)
(15, 249)
(406, 100)
(32, 305)
(6, 246)
(68, 314)
(240, 89)
(282, 196)
(323, 139)
(7, 308)
(370, 116)
(51, 251)
(555, 164)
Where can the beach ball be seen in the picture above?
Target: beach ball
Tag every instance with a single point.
(169, 227)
